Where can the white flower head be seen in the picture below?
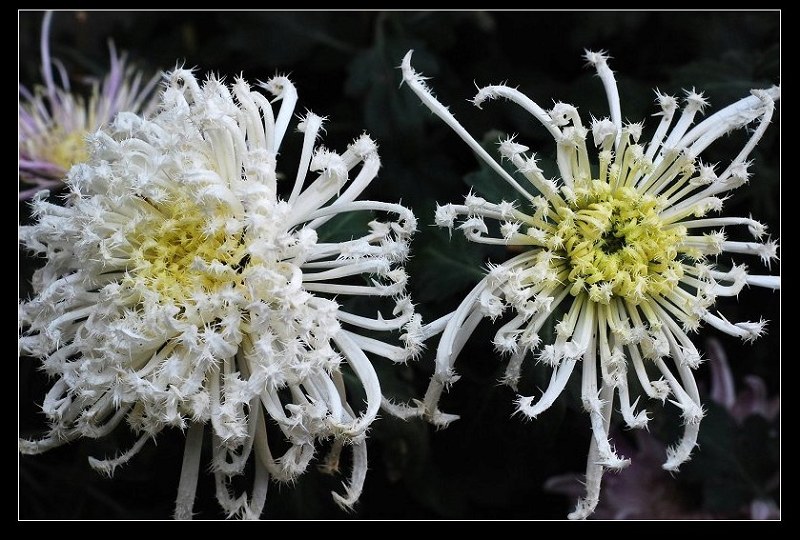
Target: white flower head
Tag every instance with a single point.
(621, 243)
(54, 120)
(182, 288)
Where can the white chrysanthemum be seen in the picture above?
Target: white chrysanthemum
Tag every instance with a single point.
(54, 120)
(617, 245)
(180, 289)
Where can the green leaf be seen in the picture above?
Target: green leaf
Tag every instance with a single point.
(373, 75)
(450, 265)
(345, 226)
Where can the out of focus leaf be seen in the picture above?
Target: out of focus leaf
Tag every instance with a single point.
(345, 226)
(374, 75)
(450, 265)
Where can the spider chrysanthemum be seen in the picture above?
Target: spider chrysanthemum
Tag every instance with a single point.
(183, 288)
(54, 119)
(624, 244)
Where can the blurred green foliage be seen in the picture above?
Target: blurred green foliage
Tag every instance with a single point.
(488, 464)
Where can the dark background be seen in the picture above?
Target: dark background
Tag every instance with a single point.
(344, 64)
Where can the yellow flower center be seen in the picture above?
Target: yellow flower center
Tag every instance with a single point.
(181, 250)
(617, 245)
(65, 150)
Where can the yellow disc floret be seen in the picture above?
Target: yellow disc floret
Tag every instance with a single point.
(186, 250)
(617, 245)
(65, 150)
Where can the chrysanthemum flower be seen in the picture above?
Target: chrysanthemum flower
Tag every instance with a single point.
(182, 288)
(623, 245)
(54, 120)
